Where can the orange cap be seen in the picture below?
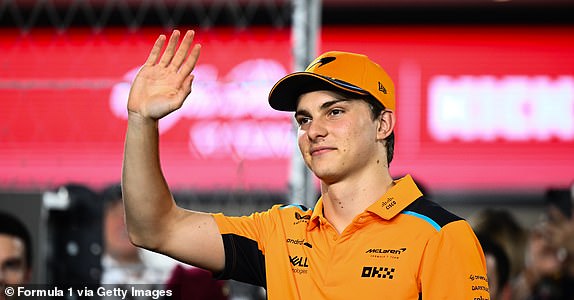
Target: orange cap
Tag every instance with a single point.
(335, 70)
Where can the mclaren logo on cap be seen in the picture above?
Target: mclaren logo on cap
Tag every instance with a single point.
(382, 88)
(322, 61)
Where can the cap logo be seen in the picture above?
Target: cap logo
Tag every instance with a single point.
(322, 61)
(382, 88)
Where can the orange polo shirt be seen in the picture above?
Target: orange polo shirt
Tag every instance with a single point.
(402, 247)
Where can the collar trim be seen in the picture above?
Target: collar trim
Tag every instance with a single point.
(395, 200)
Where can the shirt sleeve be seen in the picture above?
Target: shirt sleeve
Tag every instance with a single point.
(244, 240)
(453, 265)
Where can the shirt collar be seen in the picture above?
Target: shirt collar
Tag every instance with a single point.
(317, 215)
(399, 196)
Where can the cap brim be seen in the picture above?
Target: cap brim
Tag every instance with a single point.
(286, 92)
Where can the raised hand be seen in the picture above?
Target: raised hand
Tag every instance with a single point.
(162, 84)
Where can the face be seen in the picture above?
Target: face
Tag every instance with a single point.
(13, 266)
(542, 257)
(338, 137)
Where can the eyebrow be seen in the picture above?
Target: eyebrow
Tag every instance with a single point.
(323, 106)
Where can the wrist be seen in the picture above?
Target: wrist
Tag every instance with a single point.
(137, 118)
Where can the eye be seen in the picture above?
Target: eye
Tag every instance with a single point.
(303, 120)
(13, 264)
(336, 112)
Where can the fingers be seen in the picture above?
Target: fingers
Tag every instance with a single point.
(155, 50)
(170, 49)
(186, 86)
(175, 58)
(183, 92)
(189, 64)
(183, 50)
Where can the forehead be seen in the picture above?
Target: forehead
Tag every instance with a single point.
(10, 246)
(317, 99)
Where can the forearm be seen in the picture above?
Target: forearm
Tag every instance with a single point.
(153, 219)
(147, 198)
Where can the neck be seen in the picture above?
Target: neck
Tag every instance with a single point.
(344, 200)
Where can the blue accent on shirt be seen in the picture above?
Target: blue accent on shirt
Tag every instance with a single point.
(295, 205)
(429, 220)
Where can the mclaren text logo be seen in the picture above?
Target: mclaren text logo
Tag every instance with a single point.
(386, 251)
(299, 242)
(378, 272)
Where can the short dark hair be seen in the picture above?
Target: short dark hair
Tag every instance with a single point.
(490, 246)
(376, 109)
(12, 226)
(112, 194)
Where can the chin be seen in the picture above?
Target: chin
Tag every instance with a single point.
(327, 177)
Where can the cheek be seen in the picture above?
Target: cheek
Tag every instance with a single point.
(302, 140)
(357, 136)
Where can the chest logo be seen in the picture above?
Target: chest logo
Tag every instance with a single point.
(299, 218)
(298, 261)
(378, 272)
(299, 242)
(382, 253)
(386, 251)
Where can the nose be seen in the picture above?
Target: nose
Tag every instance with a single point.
(316, 130)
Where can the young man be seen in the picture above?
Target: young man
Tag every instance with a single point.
(15, 252)
(369, 236)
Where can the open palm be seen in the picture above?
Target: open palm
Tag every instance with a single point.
(162, 84)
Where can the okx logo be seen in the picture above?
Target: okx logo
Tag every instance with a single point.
(298, 261)
(378, 272)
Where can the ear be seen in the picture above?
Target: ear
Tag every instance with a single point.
(386, 124)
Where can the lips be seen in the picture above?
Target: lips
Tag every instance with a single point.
(320, 150)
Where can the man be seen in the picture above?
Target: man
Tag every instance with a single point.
(369, 236)
(15, 252)
(549, 255)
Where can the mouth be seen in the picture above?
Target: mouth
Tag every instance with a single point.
(320, 150)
